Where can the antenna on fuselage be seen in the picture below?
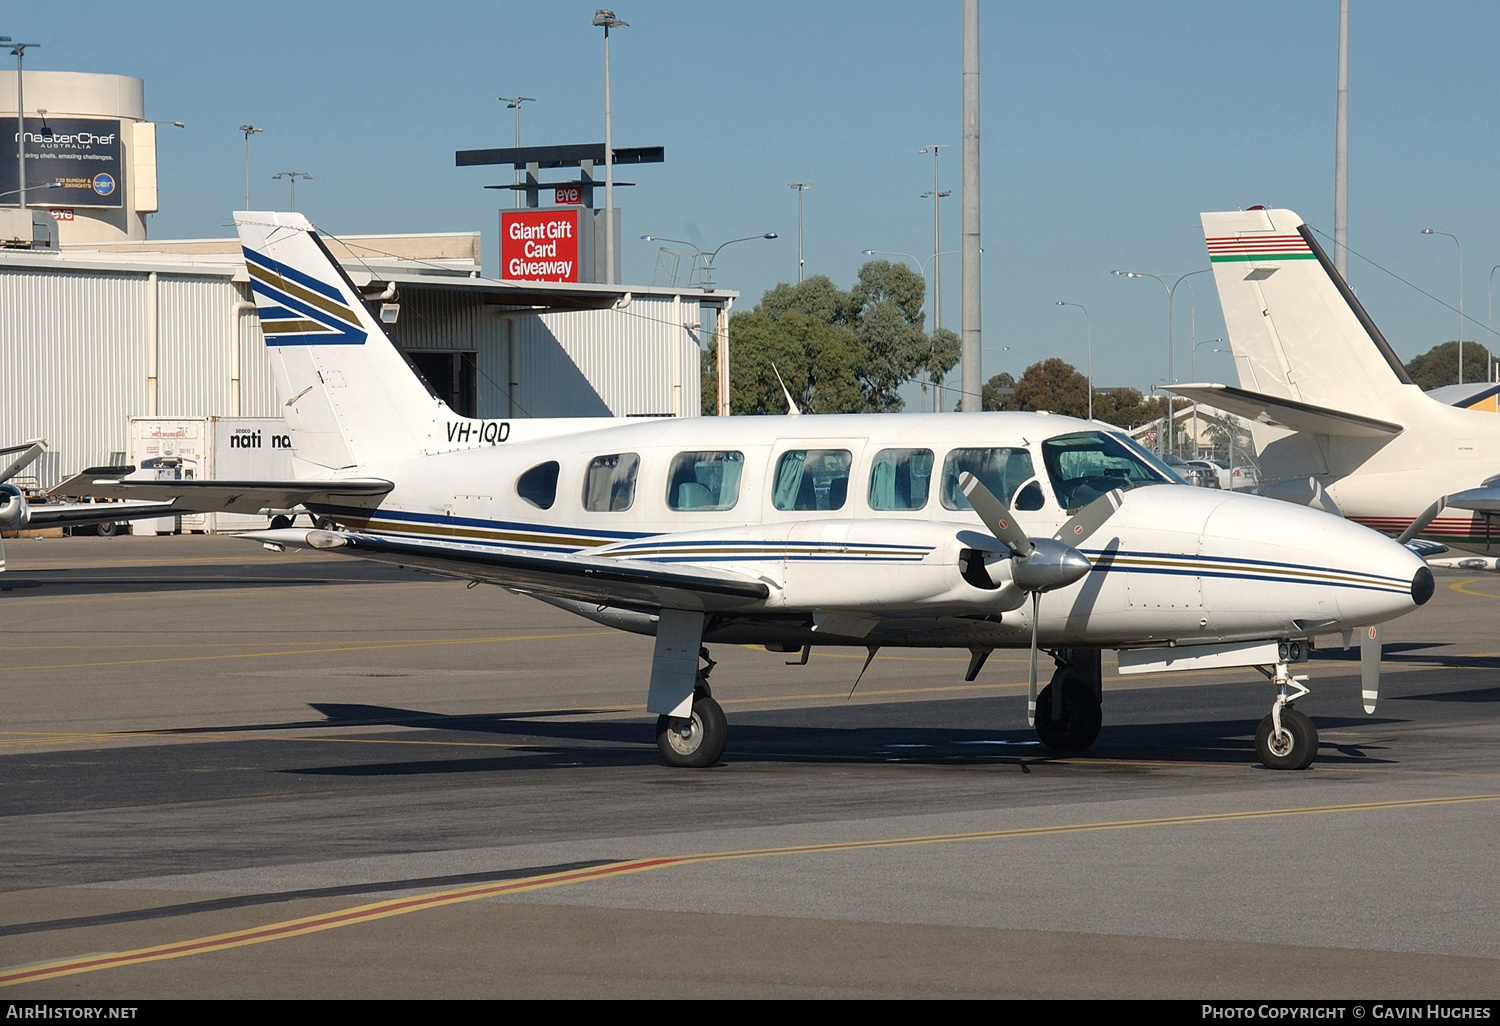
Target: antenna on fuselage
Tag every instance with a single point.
(791, 407)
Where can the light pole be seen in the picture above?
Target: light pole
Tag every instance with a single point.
(1429, 231)
(1088, 324)
(708, 258)
(514, 103)
(937, 238)
(801, 187)
(1196, 345)
(249, 130)
(1489, 323)
(937, 389)
(19, 49)
(293, 175)
(607, 20)
(1170, 290)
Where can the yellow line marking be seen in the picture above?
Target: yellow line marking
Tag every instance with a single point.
(312, 651)
(1459, 586)
(437, 899)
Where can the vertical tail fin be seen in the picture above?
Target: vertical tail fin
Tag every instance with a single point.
(351, 398)
(1295, 327)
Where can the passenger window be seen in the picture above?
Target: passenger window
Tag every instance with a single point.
(900, 478)
(705, 480)
(1002, 471)
(812, 479)
(538, 485)
(610, 484)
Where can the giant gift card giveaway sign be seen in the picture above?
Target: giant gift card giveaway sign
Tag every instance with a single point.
(539, 245)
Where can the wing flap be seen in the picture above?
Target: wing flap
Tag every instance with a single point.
(616, 582)
(1287, 413)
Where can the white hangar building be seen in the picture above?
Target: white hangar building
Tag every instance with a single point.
(97, 332)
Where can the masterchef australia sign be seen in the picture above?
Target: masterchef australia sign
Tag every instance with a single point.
(546, 245)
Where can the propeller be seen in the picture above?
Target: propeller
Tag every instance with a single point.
(1369, 665)
(1039, 564)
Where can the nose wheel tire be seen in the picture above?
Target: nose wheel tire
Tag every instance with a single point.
(1082, 716)
(694, 741)
(1293, 748)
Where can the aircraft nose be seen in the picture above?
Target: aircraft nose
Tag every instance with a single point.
(1422, 586)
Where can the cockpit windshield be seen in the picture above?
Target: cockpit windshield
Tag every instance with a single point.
(1086, 464)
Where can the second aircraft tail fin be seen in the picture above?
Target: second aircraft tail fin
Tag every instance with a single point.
(1297, 331)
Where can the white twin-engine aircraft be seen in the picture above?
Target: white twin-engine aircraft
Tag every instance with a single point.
(980, 531)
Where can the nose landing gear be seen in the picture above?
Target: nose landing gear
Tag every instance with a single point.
(1286, 739)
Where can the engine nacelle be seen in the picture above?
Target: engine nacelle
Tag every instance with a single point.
(15, 514)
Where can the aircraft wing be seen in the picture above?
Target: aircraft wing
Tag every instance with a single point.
(1484, 499)
(618, 582)
(1287, 413)
(226, 496)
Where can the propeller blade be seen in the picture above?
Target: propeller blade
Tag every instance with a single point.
(994, 514)
(1090, 518)
(1420, 524)
(1369, 665)
(1036, 602)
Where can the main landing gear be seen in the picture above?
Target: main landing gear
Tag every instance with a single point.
(696, 740)
(1070, 711)
(1286, 739)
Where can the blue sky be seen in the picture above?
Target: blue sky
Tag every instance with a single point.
(1106, 128)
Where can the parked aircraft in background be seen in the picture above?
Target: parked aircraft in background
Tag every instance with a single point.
(17, 513)
(983, 531)
(1338, 423)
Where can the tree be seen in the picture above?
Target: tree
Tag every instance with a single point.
(998, 394)
(1127, 408)
(1439, 365)
(836, 351)
(1054, 385)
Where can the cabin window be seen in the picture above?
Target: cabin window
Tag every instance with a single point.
(900, 479)
(1002, 471)
(1085, 465)
(812, 479)
(610, 484)
(538, 485)
(705, 480)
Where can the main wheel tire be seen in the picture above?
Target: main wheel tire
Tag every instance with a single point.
(695, 741)
(1082, 717)
(280, 522)
(1294, 749)
(108, 529)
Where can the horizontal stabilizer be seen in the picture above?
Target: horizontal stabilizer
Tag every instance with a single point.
(80, 514)
(208, 495)
(15, 458)
(617, 582)
(1287, 413)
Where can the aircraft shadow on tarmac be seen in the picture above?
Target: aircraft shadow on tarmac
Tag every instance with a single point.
(542, 741)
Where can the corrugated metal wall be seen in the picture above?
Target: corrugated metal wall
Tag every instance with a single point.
(74, 355)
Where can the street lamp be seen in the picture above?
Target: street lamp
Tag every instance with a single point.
(1429, 231)
(19, 49)
(1088, 324)
(249, 130)
(1170, 290)
(514, 103)
(293, 175)
(34, 188)
(937, 238)
(801, 187)
(1490, 326)
(708, 258)
(1196, 346)
(607, 20)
